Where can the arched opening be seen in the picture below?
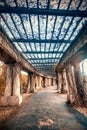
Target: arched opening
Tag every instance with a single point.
(2, 77)
(24, 81)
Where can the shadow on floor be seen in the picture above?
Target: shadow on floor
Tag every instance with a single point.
(78, 116)
(29, 128)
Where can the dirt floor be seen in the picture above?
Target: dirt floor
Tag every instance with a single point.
(82, 110)
(8, 112)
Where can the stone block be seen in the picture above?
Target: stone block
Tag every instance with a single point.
(10, 100)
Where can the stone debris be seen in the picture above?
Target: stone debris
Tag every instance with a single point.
(48, 122)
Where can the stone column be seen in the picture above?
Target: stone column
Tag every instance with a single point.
(54, 82)
(36, 82)
(80, 85)
(63, 82)
(12, 95)
(49, 82)
(9, 73)
(59, 85)
(85, 89)
(40, 82)
(28, 83)
(31, 90)
(72, 93)
(17, 97)
(16, 80)
(44, 82)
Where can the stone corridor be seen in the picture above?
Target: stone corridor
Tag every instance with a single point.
(46, 110)
(43, 43)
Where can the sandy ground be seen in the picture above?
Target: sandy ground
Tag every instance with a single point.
(7, 112)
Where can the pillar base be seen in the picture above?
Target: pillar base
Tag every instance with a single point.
(44, 86)
(31, 90)
(59, 91)
(85, 102)
(10, 100)
(71, 98)
(38, 88)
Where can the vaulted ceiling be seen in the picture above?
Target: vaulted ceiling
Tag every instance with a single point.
(43, 30)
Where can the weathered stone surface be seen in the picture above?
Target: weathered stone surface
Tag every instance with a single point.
(10, 100)
(61, 82)
(32, 83)
(44, 82)
(59, 85)
(31, 90)
(40, 82)
(2, 79)
(36, 82)
(85, 89)
(8, 89)
(79, 83)
(72, 98)
(54, 82)
(28, 84)
(16, 79)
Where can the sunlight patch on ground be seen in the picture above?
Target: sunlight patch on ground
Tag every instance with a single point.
(48, 122)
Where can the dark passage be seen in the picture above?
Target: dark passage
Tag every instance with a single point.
(46, 110)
